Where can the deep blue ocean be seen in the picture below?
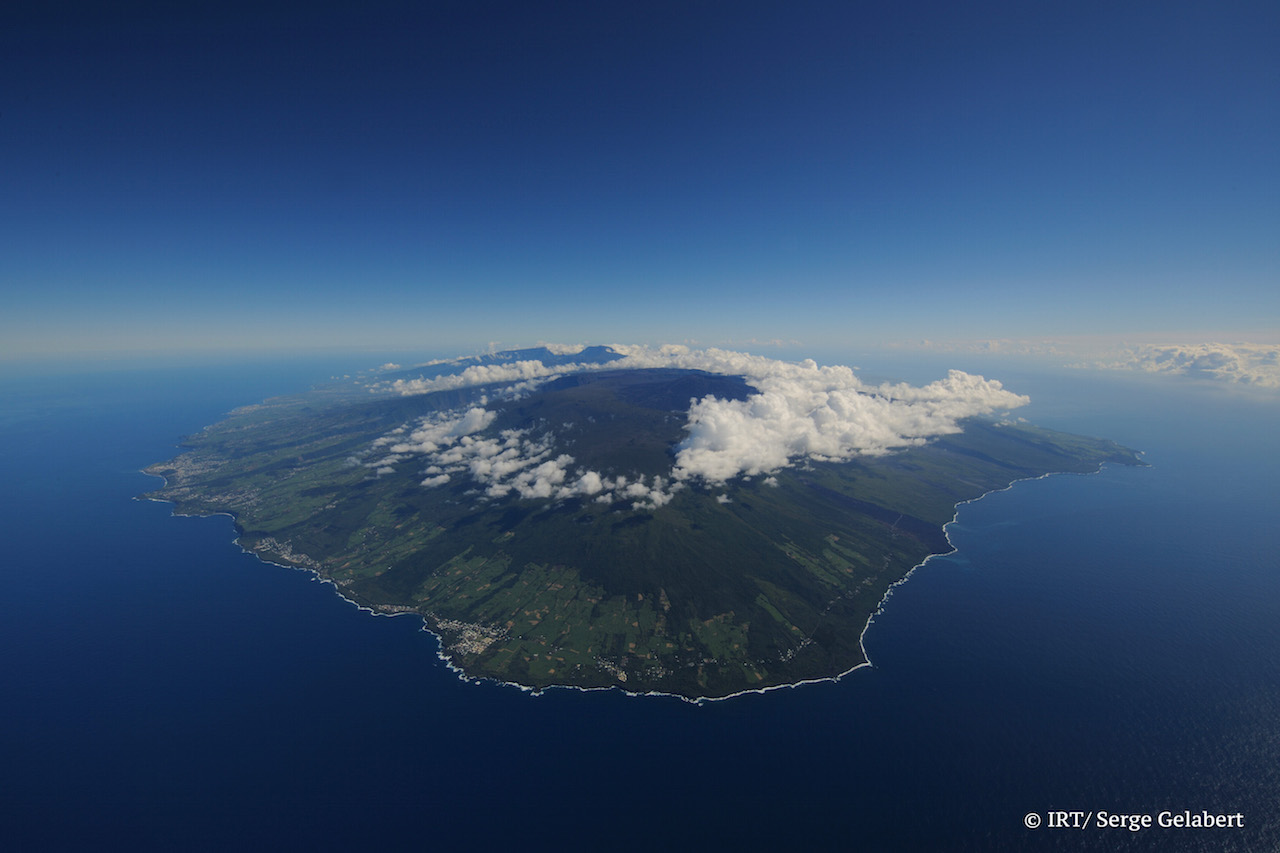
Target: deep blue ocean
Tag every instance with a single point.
(1106, 642)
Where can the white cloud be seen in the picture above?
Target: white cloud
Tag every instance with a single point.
(800, 411)
(1252, 364)
(590, 483)
(442, 431)
(804, 410)
(1246, 364)
(528, 372)
(562, 349)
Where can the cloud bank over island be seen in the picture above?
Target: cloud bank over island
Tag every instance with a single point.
(521, 375)
(800, 412)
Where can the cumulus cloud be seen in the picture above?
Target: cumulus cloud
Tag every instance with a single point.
(526, 373)
(800, 411)
(437, 432)
(804, 410)
(825, 415)
(1246, 364)
(513, 463)
(562, 349)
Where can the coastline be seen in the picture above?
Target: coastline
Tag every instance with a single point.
(470, 678)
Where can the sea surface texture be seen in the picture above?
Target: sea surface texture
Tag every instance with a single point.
(1107, 642)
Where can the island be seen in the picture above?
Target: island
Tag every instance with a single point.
(599, 517)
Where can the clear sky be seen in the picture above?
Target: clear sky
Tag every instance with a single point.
(440, 174)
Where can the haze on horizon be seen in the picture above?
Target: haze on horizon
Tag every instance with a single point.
(284, 175)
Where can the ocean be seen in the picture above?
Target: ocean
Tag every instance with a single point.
(1101, 643)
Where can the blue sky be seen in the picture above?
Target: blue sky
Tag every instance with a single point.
(299, 175)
